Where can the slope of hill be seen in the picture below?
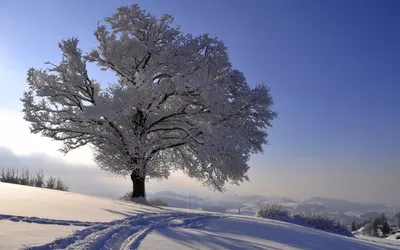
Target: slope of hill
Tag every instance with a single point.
(51, 219)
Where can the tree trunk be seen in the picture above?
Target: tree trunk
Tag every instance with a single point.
(138, 185)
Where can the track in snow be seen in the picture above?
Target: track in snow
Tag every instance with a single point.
(36, 220)
(120, 234)
(379, 240)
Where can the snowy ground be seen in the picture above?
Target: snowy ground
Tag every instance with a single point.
(35, 218)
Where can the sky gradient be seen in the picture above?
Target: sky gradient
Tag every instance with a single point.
(333, 68)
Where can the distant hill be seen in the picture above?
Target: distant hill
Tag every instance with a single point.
(257, 198)
(303, 207)
(179, 200)
(232, 202)
(337, 205)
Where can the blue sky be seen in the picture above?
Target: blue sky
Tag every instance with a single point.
(333, 68)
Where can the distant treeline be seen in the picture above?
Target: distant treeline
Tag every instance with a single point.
(25, 177)
(322, 221)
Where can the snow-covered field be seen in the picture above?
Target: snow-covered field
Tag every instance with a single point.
(36, 218)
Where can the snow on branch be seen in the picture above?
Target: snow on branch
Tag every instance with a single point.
(177, 103)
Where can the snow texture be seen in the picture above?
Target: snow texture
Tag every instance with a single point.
(246, 233)
(122, 234)
(27, 201)
(14, 235)
(142, 227)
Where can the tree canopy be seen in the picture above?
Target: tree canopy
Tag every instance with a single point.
(177, 104)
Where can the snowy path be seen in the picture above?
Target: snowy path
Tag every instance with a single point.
(121, 234)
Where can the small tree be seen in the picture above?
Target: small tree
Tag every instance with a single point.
(367, 229)
(385, 228)
(177, 104)
(374, 227)
(397, 219)
(60, 185)
(382, 218)
(51, 182)
(39, 179)
(353, 226)
(25, 178)
(361, 224)
(240, 206)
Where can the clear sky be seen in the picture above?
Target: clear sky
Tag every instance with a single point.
(333, 68)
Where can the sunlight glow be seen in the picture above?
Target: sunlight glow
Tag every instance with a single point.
(15, 135)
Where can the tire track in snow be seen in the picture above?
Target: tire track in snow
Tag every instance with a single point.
(124, 234)
(36, 220)
(191, 221)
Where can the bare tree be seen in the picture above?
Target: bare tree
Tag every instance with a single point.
(177, 104)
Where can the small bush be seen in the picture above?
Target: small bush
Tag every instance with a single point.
(9, 175)
(144, 201)
(157, 202)
(127, 197)
(322, 221)
(272, 210)
(51, 183)
(39, 179)
(25, 178)
(60, 185)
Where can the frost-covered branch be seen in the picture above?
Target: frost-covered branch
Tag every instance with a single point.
(177, 102)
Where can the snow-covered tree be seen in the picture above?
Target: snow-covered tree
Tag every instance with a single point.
(177, 103)
(375, 226)
(397, 219)
(385, 228)
(353, 226)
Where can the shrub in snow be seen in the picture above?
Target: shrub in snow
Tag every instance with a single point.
(60, 185)
(158, 202)
(140, 200)
(144, 201)
(127, 197)
(38, 180)
(317, 220)
(51, 182)
(322, 221)
(9, 175)
(272, 210)
(25, 178)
